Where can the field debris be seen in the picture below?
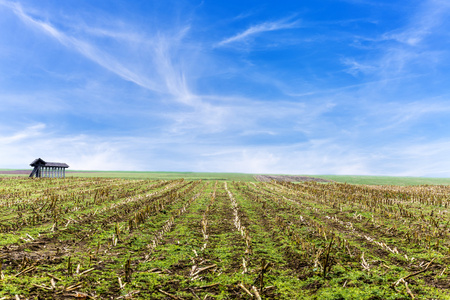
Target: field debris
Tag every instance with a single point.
(103, 238)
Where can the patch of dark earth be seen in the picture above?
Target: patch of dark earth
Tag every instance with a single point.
(288, 178)
(16, 172)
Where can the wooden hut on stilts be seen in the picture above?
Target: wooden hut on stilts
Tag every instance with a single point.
(48, 169)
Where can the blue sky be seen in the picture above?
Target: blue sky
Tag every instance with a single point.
(296, 87)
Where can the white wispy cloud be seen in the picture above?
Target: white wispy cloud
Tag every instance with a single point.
(401, 116)
(162, 68)
(410, 53)
(118, 34)
(86, 49)
(169, 77)
(29, 132)
(347, 88)
(431, 15)
(260, 28)
(173, 75)
(355, 67)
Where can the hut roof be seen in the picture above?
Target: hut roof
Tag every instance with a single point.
(43, 163)
(56, 164)
(38, 161)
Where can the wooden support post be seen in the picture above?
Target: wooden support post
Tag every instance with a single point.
(33, 172)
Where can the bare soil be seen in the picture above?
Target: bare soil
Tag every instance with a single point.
(289, 178)
(16, 172)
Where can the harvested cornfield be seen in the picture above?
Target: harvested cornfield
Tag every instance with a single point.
(102, 238)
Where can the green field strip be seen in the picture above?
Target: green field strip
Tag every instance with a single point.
(385, 180)
(272, 245)
(144, 260)
(212, 176)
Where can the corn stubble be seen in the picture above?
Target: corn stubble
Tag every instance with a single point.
(96, 238)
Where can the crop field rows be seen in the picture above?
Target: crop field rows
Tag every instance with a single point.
(103, 238)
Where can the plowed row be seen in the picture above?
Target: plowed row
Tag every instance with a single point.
(101, 238)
